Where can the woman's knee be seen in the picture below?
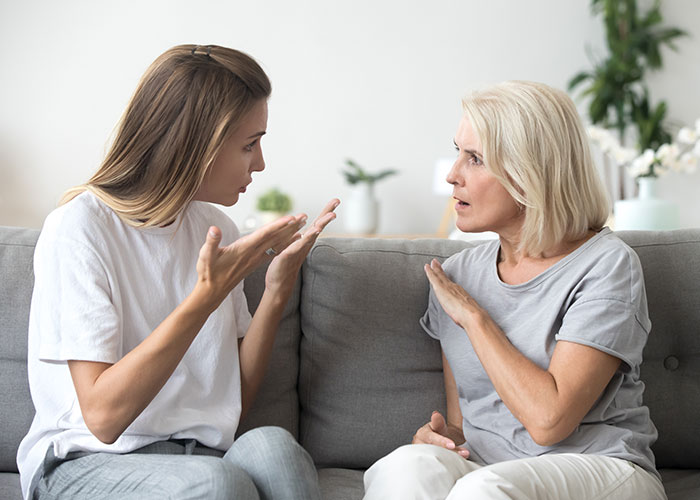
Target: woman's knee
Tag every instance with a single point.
(481, 484)
(421, 457)
(415, 471)
(212, 477)
(267, 442)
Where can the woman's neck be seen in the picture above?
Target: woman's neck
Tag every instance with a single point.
(516, 267)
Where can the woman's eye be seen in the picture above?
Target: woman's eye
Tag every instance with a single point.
(475, 160)
(249, 147)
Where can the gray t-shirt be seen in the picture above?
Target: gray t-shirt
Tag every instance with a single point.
(594, 296)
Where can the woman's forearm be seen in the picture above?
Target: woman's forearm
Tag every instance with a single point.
(255, 348)
(112, 396)
(549, 402)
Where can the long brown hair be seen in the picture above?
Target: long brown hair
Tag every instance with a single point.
(186, 104)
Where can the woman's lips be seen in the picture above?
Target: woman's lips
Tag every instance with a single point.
(461, 205)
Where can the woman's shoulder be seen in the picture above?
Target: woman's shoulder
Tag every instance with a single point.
(474, 254)
(608, 267)
(79, 219)
(608, 250)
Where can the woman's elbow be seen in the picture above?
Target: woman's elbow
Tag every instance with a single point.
(549, 432)
(102, 426)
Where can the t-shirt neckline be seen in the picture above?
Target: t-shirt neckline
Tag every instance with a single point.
(547, 272)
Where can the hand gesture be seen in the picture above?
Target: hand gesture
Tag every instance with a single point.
(439, 433)
(457, 303)
(220, 269)
(283, 270)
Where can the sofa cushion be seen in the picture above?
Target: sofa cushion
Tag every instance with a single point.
(277, 402)
(341, 484)
(369, 374)
(671, 367)
(16, 408)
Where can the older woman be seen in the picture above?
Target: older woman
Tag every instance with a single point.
(542, 331)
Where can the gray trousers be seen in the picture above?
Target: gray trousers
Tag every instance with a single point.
(265, 463)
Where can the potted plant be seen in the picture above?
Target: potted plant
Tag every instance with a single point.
(273, 204)
(361, 210)
(616, 87)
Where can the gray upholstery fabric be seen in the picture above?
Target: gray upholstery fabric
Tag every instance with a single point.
(10, 487)
(671, 367)
(341, 484)
(277, 402)
(16, 282)
(361, 301)
(681, 484)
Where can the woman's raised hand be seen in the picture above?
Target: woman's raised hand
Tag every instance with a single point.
(439, 433)
(220, 269)
(457, 303)
(283, 270)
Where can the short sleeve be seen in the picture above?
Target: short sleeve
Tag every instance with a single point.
(608, 325)
(72, 303)
(611, 314)
(242, 314)
(431, 319)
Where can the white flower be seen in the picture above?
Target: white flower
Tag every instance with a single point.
(668, 155)
(687, 135)
(683, 155)
(623, 155)
(688, 162)
(641, 164)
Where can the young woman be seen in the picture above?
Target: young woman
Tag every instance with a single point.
(542, 331)
(143, 356)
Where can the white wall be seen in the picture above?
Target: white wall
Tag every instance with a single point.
(378, 81)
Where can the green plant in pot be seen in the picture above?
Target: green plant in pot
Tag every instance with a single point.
(628, 127)
(616, 86)
(273, 204)
(355, 174)
(361, 210)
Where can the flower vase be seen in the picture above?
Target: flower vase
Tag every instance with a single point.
(361, 209)
(647, 211)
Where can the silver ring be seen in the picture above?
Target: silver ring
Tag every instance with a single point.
(271, 252)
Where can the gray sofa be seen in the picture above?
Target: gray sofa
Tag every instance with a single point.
(353, 375)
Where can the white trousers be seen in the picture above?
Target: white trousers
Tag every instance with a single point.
(427, 472)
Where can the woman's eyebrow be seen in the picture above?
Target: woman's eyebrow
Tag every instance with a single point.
(470, 151)
(258, 134)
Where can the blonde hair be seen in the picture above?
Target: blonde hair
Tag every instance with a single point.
(186, 104)
(535, 144)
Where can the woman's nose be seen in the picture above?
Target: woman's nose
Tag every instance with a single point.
(259, 164)
(453, 176)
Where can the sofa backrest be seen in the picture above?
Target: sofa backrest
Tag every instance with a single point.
(671, 367)
(370, 376)
(16, 282)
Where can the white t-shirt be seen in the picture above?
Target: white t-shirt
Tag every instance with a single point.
(101, 287)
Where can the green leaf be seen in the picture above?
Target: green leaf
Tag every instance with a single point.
(579, 78)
